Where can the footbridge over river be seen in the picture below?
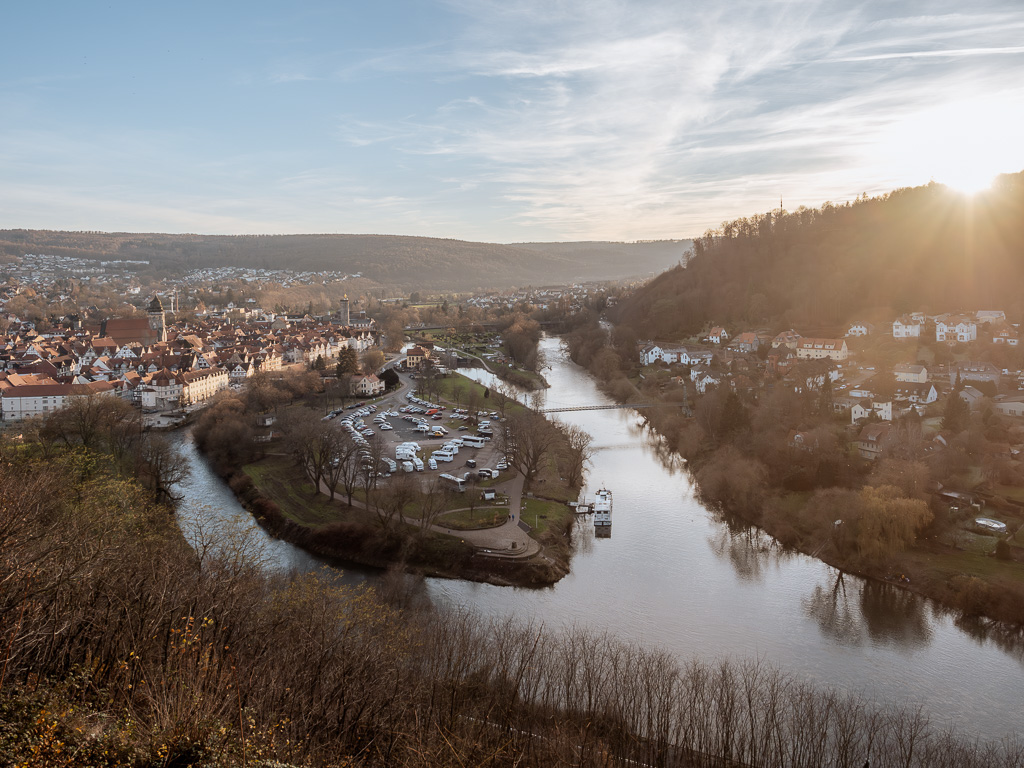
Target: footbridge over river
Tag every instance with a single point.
(607, 407)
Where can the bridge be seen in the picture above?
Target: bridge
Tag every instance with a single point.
(568, 408)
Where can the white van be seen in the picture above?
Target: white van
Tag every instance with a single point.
(391, 465)
(407, 466)
(417, 463)
(473, 441)
(442, 456)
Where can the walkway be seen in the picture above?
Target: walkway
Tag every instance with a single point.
(509, 540)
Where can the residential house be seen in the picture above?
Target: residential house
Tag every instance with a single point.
(365, 385)
(718, 335)
(906, 327)
(802, 441)
(860, 329)
(917, 393)
(975, 371)
(819, 349)
(972, 396)
(910, 372)
(415, 357)
(990, 316)
(1007, 335)
(786, 339)
(1010, 405)
(871, 440)
(867, 406)
(746, 342)
(960, 328)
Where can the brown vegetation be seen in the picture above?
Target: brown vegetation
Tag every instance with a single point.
(123, 647)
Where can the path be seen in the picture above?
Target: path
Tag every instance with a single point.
(508, 540)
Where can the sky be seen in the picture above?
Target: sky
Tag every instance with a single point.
(500, 121)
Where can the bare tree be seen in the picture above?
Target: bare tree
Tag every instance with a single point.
(389, 502)
(578, 452)
(526, 440)
(161, 467)
(434, 501)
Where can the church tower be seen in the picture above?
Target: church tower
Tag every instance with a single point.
(343, 314)
(157, 321)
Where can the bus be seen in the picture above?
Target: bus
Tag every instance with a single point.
(455, 483)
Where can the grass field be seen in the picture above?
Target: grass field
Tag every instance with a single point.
(541, 513)
(481, 517)
(282, 482)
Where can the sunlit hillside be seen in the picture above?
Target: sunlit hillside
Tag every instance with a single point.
(923, 248)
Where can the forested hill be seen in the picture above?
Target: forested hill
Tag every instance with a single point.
(923, 248)
(412, 262)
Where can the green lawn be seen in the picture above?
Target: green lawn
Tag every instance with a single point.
(540, 513)
(481, 517)
(282, 482)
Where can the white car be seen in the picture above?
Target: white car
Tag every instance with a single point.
(385, 426)
(432, 463)
(501, 466)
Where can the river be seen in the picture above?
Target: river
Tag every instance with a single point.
(680, 577)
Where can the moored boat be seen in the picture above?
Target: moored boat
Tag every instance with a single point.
(603, 512)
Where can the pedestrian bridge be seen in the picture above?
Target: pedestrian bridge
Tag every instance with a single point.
(615, 406)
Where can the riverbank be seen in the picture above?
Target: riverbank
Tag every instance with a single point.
(475, 347)
(402, 526)
(336, 531)
(965, 578)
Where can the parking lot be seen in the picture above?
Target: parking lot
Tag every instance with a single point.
(403, 418)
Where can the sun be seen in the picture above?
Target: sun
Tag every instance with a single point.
(963, 144)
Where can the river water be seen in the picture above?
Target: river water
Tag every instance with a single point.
(680, 577)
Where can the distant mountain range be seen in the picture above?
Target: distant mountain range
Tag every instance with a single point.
(391, 260)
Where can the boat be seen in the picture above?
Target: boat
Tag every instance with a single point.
(603, 513)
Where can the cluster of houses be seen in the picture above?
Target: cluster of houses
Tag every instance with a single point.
(156, 365)
(948, 327)
(754, 360)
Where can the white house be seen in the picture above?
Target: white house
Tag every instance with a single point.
(860, 329)
(366, 385)
(906, 328)
(865, 408)
(911, 372)
(955, 328)
(820, 349)
(718, 335)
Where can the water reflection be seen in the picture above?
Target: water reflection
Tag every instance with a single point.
(746, 547)
(879, 613)
(837, 616)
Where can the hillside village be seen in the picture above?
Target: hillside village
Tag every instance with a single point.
(158, 365)
(859, 386)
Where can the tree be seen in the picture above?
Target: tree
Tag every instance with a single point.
(348, 362)
(888, 522)
(391, 379)
(578, 452)
(526, 440)
(389, 502)
(319, 364)
(956, 414)
(160, 467)
(343, 466)
(373, 360)
(434, 501)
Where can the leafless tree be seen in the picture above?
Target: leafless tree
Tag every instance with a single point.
(577, 454)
